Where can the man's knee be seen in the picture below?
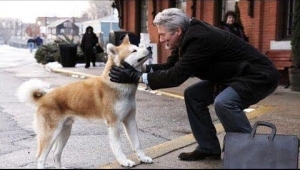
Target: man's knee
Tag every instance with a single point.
(223, 104)
(187, 92)
(220, 104)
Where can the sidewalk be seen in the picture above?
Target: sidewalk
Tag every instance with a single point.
(282, 108)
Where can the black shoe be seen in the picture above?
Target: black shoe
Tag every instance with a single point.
(87, 66)
(196, 155)
(94, 65)
(287, 86)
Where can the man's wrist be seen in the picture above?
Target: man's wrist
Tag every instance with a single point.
(144, 78)
(138, 76)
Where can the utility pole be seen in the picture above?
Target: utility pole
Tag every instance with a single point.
(21, 29)
(16, 27)
(113, 5)
(73, 28)
(46, 30)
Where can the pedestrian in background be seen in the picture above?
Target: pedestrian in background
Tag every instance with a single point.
(30, 44)
(88, 42)
(229, 24)
(201, 50)
(38, 41)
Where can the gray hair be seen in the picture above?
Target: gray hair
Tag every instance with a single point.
(172, 18)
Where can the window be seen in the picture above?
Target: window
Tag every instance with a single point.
(222, 6)
(181, 4)
(144, 17)
(53, 31)
(71, 31)
(227, 5)
(286, 19)
(67, 24)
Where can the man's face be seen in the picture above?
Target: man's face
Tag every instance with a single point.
(170, 39)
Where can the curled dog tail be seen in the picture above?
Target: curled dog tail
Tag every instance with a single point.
(32, 90)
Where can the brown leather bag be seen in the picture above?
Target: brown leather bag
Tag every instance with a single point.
(263, 151)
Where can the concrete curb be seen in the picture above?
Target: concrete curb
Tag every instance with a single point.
(71, 73)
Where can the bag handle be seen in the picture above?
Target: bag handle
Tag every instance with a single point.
(261, 123)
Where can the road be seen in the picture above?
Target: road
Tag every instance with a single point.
(160, 119)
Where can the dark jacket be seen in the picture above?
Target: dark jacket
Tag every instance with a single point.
(88, 40)
(234, 29)
(39, 41)
(213, 54)
(30, 40)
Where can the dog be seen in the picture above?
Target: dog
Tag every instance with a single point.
(94, 99)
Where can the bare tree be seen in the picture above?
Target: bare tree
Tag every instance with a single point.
(7, 28)
(32, 30)
(98, 9)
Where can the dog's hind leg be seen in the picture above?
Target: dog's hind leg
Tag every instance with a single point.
(115, 143)
(44, 146)
(131, 129)
(47, 132)
(61, 141)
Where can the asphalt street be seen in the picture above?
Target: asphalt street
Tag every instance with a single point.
(162, 121)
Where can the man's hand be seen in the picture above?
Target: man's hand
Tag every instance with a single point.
(124, 75)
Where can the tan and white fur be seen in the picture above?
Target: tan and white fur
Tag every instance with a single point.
(94, 98)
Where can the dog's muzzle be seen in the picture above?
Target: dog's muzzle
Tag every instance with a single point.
(149, 49)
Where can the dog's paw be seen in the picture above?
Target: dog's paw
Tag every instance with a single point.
(146, 159)
(127, 163)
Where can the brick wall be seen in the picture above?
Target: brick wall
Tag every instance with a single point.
(261, 29)
(129, 15)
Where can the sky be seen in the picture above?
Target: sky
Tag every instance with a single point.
(28, 11)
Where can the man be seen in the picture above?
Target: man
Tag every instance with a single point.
(219, 59)
(38, 41)
(31, 44)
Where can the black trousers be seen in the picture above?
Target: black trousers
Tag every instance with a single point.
(229, 109)
(89, 57)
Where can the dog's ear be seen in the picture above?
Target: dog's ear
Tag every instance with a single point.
(126, 40)
(111, 49)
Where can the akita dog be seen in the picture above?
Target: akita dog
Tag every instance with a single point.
(93, 98)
